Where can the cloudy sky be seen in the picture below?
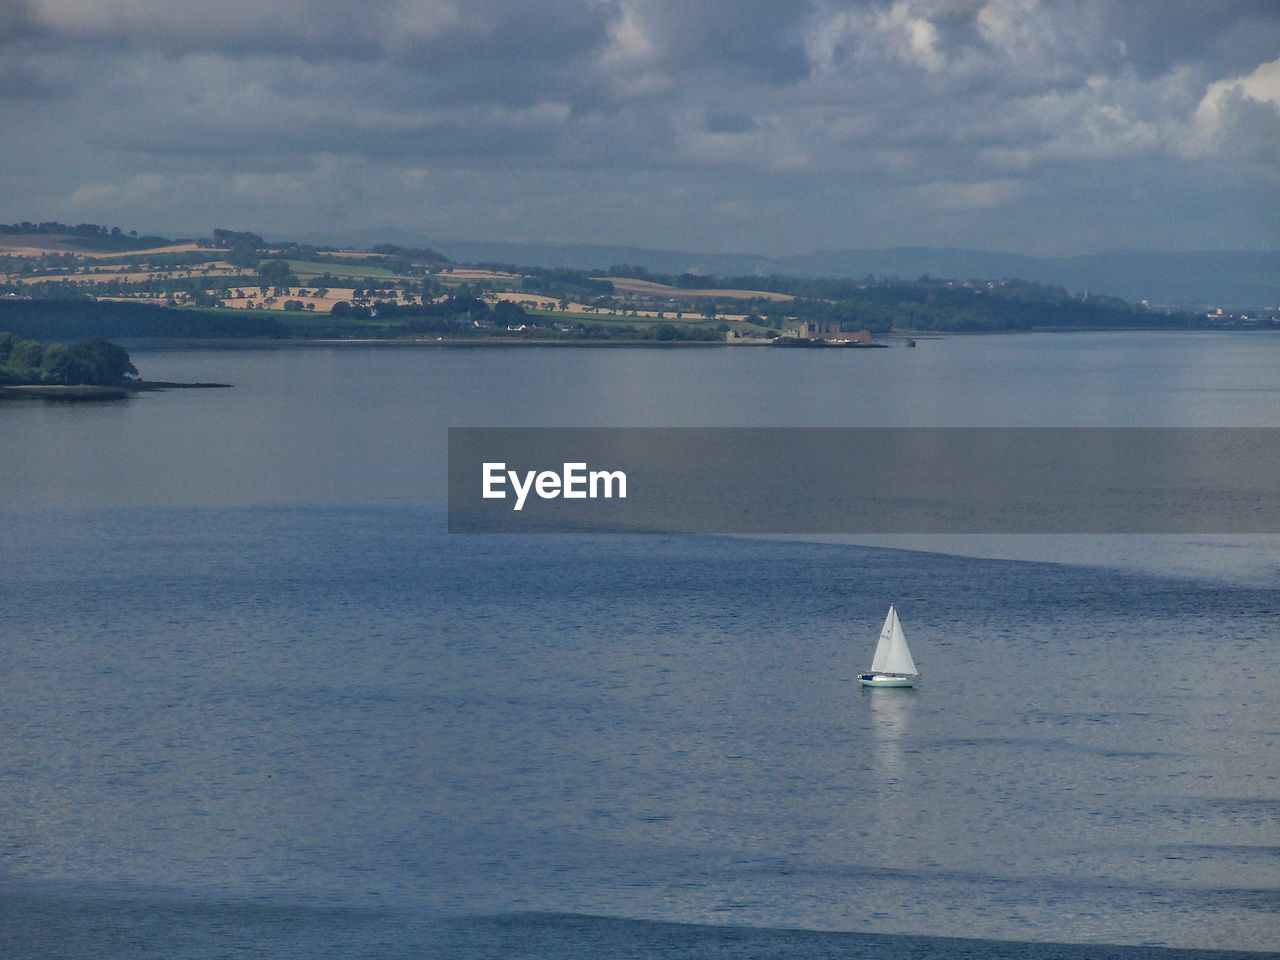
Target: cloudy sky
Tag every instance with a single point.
(770, 127)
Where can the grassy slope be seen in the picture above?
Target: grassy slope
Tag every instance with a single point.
(315, 268)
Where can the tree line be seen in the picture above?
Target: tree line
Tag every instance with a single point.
(90, 235)
(73, 319)
(883, 304)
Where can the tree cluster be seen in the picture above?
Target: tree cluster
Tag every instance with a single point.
(453, 314)
(555, 281)
(410, 253)
(89, 235)
(234, 238)
(94, 361)
(276, 273)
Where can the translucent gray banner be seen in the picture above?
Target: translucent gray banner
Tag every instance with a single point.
(864, 480)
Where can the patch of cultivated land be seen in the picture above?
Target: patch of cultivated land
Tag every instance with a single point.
(40, 244)
(466, 273)
(315, 268)
(135, 276)
(10, 247)
(172, 248)
(649, 303)
(647, 288)
(550, 305)
(252, 298)
(530, 301)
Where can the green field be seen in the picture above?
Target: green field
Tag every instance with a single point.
(306, 323)
(315, 267)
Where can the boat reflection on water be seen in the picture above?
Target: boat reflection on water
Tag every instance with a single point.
(890, 724)
(890, 768)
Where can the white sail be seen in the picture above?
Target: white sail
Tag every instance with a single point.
(892, 654)
(886, 641)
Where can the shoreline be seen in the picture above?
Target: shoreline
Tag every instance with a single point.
(91, 391)
(895, 338)
(144, 343)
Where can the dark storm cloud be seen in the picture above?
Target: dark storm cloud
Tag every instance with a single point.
(1158, 36)
(655, 121)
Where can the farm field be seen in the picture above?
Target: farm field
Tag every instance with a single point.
(39, 245)
(648, 288)
(312, 268)
(282, 288)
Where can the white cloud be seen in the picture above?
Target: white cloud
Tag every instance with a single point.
(1235, 112)
(630, 60)
(629, 40)
(898, 32)
(911, 38)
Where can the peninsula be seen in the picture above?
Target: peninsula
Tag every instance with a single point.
(90, 370)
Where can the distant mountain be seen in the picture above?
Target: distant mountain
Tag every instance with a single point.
(1186, 280)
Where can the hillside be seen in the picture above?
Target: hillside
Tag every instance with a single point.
(1191, 280)
(59, 282)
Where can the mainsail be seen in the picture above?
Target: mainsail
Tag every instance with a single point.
(892, 655)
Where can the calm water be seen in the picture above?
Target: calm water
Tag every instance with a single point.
(256, 702)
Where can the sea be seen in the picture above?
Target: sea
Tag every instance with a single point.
(256, 701)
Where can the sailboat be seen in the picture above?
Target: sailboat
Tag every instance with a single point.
(892, 665)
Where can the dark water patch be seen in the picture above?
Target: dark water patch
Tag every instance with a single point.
(1212, 851)
(1034, 743)
(1258, 809)
(575, 936)
(1011, 889)
(51, 927)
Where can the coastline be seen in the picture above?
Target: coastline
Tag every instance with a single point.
(88, 391)
(145, 343)
(896, 339)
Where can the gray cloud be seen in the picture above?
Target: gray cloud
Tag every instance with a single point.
(1052, 127)
(1157, 37)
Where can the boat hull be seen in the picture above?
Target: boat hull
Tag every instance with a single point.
(887, 680)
